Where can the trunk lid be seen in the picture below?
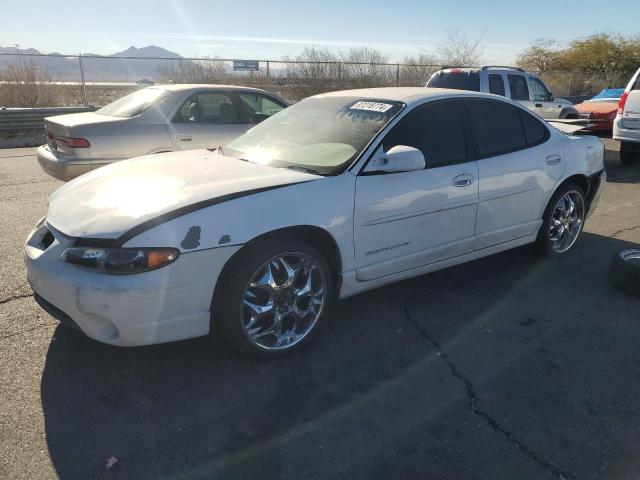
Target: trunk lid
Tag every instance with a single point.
(72, 123)
(77, 125)
(631, 114)
(107, 202)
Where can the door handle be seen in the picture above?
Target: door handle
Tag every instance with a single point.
(463, 180)
(553, 159)
(183, 138)
(539, 105)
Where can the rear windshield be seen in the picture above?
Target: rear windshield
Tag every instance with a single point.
(608, 94)
(456, 79)
(133, 104)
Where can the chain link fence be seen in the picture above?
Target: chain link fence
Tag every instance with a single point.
(41, 80)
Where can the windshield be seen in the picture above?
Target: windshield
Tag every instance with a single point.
(320, 134)
(608, 94)
(133, 104)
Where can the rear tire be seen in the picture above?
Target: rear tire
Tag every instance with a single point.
(273, 297)
(561, 222)
(627, 155)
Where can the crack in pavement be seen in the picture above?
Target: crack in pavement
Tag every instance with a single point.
(28, 183)
(15, 297)
(618, 232)
(15, 334)
(473, 401)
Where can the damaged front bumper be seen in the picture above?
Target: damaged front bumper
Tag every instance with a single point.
(164, 305)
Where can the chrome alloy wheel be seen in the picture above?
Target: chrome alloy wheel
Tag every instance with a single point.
(566, 221)
(283, 301)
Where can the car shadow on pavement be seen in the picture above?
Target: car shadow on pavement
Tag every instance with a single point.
(618, 173)
(390, 389)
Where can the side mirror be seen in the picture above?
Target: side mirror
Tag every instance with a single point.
(551, 96)
(400, 158)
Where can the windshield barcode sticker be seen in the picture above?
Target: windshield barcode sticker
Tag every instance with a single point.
(371, 106)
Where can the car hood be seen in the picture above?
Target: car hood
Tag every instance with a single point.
(109, 201)
(604, 107)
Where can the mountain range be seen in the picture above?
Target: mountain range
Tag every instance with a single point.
(139, 63)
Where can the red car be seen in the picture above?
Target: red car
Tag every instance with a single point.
(601, 109)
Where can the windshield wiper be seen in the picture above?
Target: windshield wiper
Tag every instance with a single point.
(303, 169)
(216, 149)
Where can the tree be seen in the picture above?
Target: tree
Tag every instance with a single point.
(362, 67)
(416, 71)
(604, 54)
(541, 56)
(207, 70)
(25, 83)
(458, 50)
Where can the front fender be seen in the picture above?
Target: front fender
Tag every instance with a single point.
(326, 203)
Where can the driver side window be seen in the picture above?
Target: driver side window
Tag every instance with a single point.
(208, 108)
(436, 129)
(540, 92)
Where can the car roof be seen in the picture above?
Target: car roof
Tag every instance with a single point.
(408, 95)
(181, 87)
(491, 68)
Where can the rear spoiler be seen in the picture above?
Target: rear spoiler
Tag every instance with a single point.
(570, 126)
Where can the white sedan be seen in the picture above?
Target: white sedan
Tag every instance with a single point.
(156, 119)
(338, 194)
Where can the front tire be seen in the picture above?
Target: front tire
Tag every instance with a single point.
(569, 114)
(562, 221)
(273, 297)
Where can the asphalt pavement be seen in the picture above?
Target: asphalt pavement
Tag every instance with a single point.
(509, 367)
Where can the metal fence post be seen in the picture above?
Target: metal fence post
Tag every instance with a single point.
(339, 74)
(83, 83)
(613, 80)
(267, 68)
(180, 75)
(398, 75)
(569, 88)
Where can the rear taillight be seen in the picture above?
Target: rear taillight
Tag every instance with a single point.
(71, 142)
(621, 102)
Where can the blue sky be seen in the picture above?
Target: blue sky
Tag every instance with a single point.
(262, 29)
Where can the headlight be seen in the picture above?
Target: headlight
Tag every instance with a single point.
(120, 260)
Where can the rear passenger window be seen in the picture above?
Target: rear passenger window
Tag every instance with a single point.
(535, 131)
(208, 107)
(496, 84)
(497, 127)
(436, 129)
(518, 86)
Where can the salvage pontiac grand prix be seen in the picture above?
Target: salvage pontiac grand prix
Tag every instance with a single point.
(338, 194)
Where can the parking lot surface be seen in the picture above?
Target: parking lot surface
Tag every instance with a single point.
(507, 367)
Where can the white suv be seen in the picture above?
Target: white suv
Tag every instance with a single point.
(510, 82)
(626, 126)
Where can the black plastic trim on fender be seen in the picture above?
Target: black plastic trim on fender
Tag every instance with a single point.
(171, 215)
(593, 184)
